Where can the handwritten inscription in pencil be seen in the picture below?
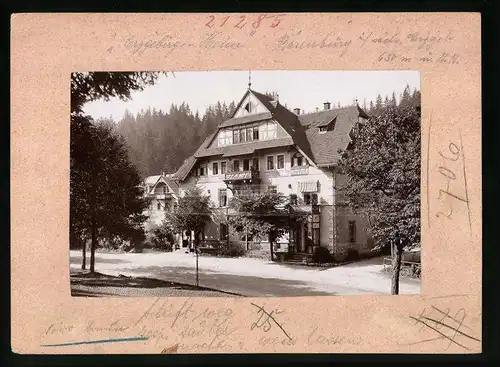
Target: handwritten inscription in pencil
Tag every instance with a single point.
(425, 47)
(446, 326)
(229, 32)
(453, 192)
(266, 320)
(196, 330)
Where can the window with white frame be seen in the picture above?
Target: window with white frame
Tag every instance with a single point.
(236, 165)
(222, 168)
(273, 189)
(255, 133)
(215, 168)
(236, 136)
(298, 160)
(246, 164)
(270, 162)
(243, 135)
(255, 164)
(202, 170)
(225, 137)
(267, 130)
(222, 197)
(280, 161)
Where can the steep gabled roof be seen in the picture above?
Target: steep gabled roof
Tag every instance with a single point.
(152, 181)
(288, 120)
(322, 148)
(325, 145)
(184, 169)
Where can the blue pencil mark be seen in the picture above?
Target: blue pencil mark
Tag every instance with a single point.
(134, 339)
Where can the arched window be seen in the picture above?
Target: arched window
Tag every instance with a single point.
(298, 160)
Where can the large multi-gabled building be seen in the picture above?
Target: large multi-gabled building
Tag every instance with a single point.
(265, 146)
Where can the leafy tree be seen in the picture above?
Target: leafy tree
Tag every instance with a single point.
(192, 213)
(105, 198)
(248, 227)
(96, 154)
(383, 170)
(91, 86)
(271, 212)
(163, 237)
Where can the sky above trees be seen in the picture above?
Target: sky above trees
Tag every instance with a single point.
(303, 89)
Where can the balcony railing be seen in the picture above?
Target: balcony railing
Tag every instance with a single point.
(241, 175)
(161, 195)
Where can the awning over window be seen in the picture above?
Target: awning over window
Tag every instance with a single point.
(308, 186)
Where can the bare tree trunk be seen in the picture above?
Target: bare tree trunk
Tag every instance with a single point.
(397, 254)
(84, 254)
(246, 241)
(197, 270)
(93, 245)
(271, 244)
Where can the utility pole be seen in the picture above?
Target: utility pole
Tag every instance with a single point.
(196, 250)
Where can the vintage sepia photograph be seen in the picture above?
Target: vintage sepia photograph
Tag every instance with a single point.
(246, 183)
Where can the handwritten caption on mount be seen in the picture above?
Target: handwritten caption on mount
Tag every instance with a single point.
(444, 325)
(451, 188)
(193, 329)
(424, 45)
(230, 32)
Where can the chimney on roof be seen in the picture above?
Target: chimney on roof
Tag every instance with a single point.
(326, 105)
(296, 111)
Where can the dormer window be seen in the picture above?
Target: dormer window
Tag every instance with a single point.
(323, 129)
(298, 160)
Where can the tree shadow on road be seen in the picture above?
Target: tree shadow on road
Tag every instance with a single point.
(99, 260)
(99, 281)
(102, 280)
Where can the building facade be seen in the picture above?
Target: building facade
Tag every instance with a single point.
(162, 193)
(265, 146)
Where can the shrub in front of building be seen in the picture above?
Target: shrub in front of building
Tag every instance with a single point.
(321, 255)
